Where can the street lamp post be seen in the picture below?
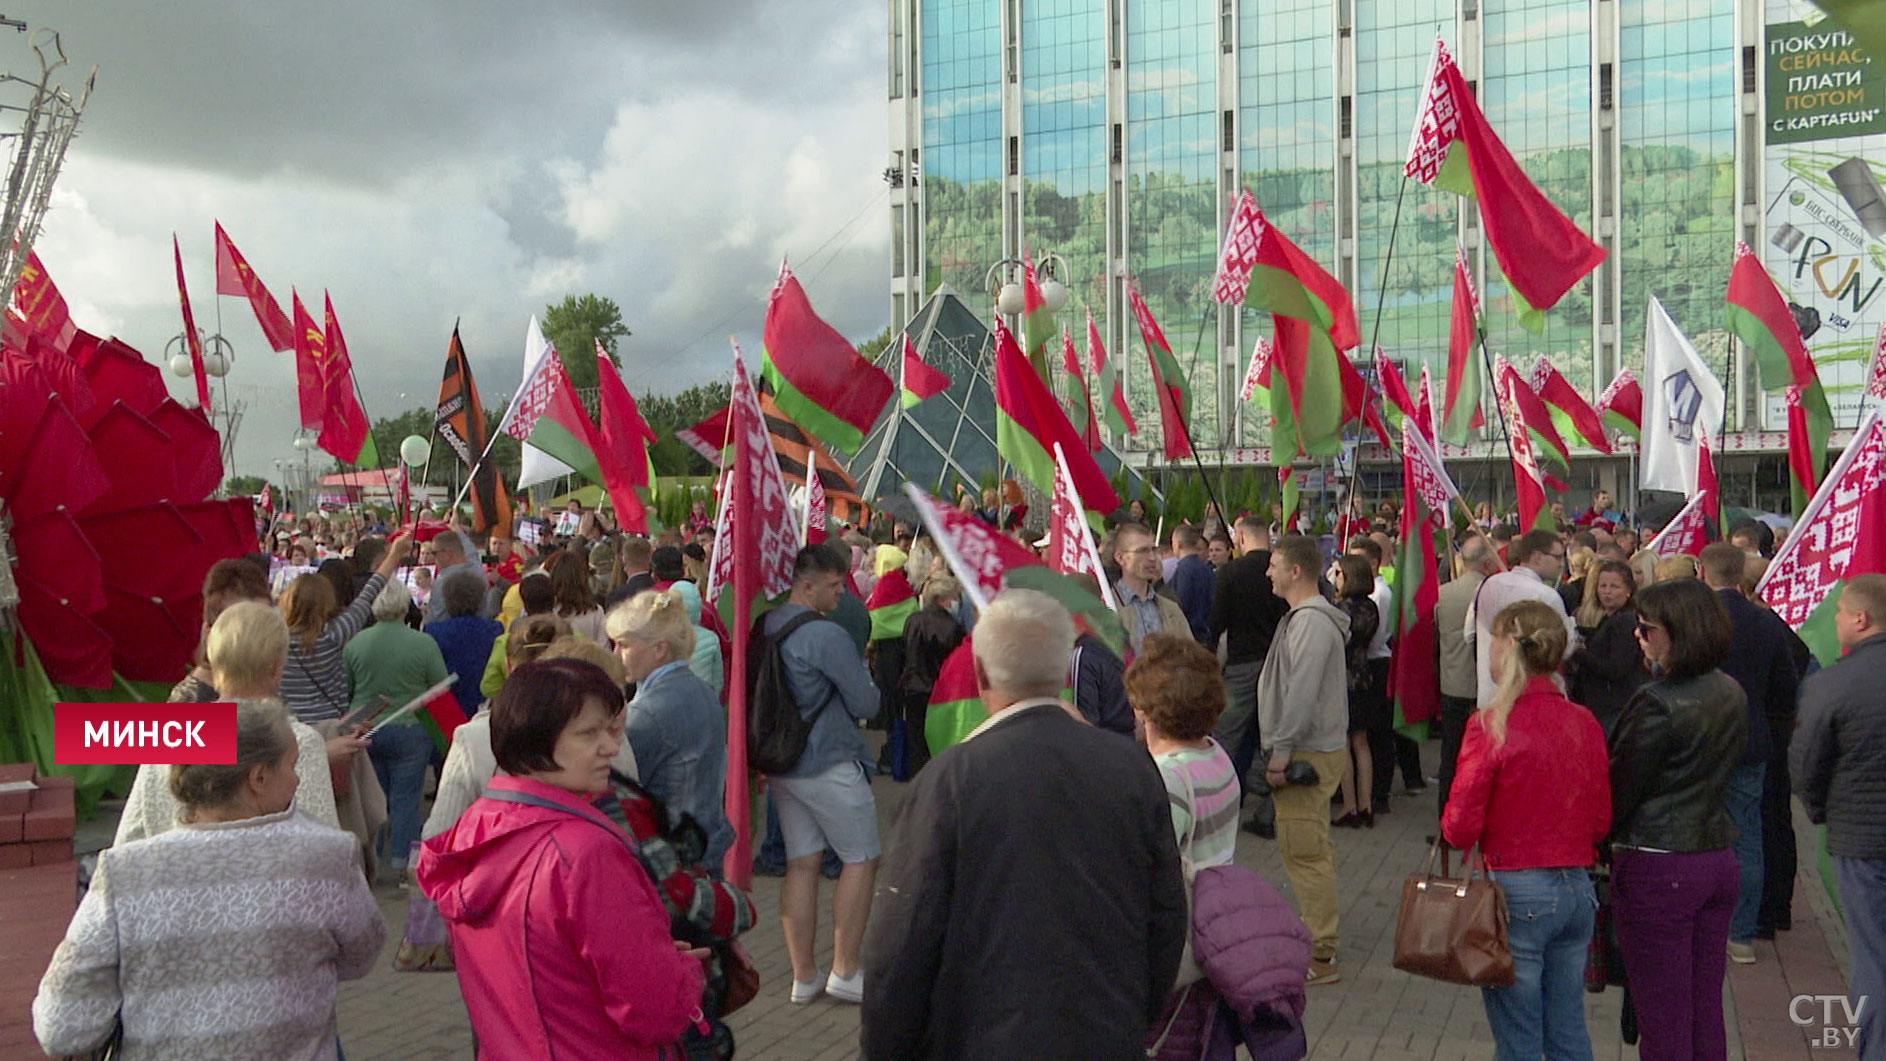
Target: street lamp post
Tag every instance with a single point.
(1003, 281)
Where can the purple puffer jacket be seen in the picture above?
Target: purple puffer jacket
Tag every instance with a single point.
(1255, 952)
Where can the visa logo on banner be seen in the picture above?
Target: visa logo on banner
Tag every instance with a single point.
(125, 734)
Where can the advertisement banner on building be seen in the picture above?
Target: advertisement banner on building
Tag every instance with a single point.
(1825, 240)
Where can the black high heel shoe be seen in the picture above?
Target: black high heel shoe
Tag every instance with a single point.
(1351, 820)
(1365, 819)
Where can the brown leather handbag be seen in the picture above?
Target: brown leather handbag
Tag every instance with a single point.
(1453, 930)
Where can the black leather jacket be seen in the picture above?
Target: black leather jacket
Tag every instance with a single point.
(1672, 753)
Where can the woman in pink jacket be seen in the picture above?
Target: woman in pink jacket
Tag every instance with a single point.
(562, 944)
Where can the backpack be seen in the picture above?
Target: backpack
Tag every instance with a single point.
(776, 731)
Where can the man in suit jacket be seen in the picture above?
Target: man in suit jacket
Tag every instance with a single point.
(1030, 904)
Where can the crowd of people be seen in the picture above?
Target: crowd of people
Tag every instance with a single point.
(1616, 731)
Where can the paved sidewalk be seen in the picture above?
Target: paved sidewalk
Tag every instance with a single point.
(1375, 1012)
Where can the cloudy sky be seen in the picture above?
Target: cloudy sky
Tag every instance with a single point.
(433, 160)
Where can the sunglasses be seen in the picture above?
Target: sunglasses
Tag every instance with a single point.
(1644, 629)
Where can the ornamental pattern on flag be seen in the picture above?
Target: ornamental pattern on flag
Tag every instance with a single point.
(755, 488)
(1425, 474)
(1261, 353)
(1876, 380)
(1238, 257)
(977, 553)
(1623, 379)
(1438, 124)
(1816, 555)
(536, 397)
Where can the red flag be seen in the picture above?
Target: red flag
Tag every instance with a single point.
(1414, 680)
(817, 512)
(189, 332)
(1622, 404)
(1357, 401)
(1071, 547)
(1533, 514)
(1237, 257)
(1029, 421)
(234, 277)
(818, 378)
(344, 428)
(1841, 534)
(268, 499)
(710, 437)
(1257, 373)
(1425, 410)
(1539, 249)
(310, 366)
(622, 451)
(1394, 385)
(978, 553)
(754, 546)
(1559, 395)
(1533, 413)
(1686, 533)
(1460, 414)
(1876, 379)
(1090, 429)
(38, 307)
(1169, 383)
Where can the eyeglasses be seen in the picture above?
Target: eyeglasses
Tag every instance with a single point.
(1141, 551)
(1645, 629)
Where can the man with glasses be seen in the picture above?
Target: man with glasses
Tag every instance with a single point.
(1538, 561)
(1143, 610)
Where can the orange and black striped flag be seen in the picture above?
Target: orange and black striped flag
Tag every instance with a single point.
(461, 422)
(795, 446)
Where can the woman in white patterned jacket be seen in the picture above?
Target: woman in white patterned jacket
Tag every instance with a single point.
(226, 937)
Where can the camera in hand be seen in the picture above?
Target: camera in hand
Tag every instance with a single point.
(1296, 773)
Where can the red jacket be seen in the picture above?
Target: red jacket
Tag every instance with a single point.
(562, 944)
(1543, 798)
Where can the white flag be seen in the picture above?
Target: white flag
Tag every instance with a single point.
(538, 466)
(1682, 398)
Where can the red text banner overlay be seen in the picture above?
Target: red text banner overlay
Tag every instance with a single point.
(170, 734)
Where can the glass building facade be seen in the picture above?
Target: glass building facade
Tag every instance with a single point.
(1115, 133)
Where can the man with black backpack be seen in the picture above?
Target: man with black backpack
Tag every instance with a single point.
(803, 735)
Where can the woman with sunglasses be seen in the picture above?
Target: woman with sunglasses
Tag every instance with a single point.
(1674, 874)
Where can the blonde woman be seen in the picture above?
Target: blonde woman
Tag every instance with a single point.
(1644, 567)
(247, 648)
(675, 723)
(1673, 567)
(1532, 790)
(1579, 564)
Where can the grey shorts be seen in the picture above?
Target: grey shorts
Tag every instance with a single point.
(834, 807)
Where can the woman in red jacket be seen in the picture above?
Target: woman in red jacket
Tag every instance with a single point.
(1532, 789)
(562, 944)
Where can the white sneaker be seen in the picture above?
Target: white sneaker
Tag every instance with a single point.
(1742, 953)
(804, 991)
(846, 988)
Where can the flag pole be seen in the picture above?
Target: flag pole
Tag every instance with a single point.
(1375, 336)
(1184, 426)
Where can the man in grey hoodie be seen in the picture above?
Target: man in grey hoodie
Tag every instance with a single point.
(1303, 714)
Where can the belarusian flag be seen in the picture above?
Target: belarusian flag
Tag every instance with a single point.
(893, 601)
(1257, 376)
(1841, 535)
(624, 439)
(1169, 383)
(1037, 320)
(546, 416)
(1414, 680)
(1029, 421)
(1398, 404)
(1699, 523)
(1533, 415)
(1078, 396)
(1533, 513)
(1461, 413)
(1113, 393)
(1876, 378)
(1569, 410)
(1290, 489)
(818, 512)
(817, 376)
(1621, 406)
(956, 706)
(1425, 410)
(920, 380)
(1071, 548)
(1358, 400)
(1315, 321)
(711, 437)
(1454, 147)
(1759, 316)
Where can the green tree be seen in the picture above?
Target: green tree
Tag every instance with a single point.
(667, 414)
(575, 325)
(244, 485)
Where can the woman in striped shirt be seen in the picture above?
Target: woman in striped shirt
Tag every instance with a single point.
(1177, 695)
(314, 684)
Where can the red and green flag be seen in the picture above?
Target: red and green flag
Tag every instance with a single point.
(1107, 377)
(1759, 316)
(546, 416)
(1541, 251)
(956, 706)
(1841, 535)
(1534, 514)
(1460, 414)
(817, 376)
(1079, 398)
(1398, 404)
(1621, 406)
(921, 381)
(1029, 421)
(1314, 322)
(1414, 683)
(1425, 409)
(1169, 383)
(1533, 415)
(893, 601)
(1289, 488)
(1571, 413)
(1037, 318)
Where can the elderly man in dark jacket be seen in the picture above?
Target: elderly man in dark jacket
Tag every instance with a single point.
(1030, 904)
(1762, 662)
(1838, 758)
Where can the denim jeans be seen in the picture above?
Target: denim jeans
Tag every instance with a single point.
(1551, 913)
(399, 754)
(1743, 798)
(1863, 896)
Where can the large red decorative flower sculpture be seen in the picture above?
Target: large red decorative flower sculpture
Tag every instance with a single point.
(107, 482)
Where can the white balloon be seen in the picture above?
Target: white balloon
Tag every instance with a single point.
(414, 450)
